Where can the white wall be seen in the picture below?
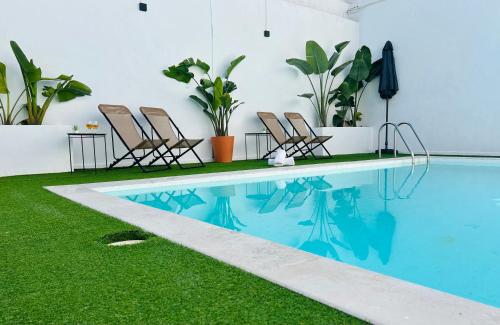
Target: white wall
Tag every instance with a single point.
(120, 52)
(447, 60)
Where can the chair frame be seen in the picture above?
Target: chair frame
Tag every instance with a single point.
(175, 158)
(283, 145)
(313, 135)
(130, 151)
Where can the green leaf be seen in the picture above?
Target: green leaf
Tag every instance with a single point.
(340, 68)
(341, 46)
(375, 70)
(3, 79)
(206, 83)
(180, 73)
(316, 57)
(208, 96)
(64, 77)
(72, 90)
(229, 86)
(302, 65)
(30, 71)
(202, 65)
(226, 101)
(188, 63)
(308, 96)
(333, 60)
(360, 69)
(233, 65)
(200, 101)
(48, 91)
(218, 92)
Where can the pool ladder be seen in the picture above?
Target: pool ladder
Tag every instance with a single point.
(397, 191)
(398, 131)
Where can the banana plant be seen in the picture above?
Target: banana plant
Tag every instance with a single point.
(318, 64)
(216, 100)
(350, 92)
(63, 88)
(8, 111)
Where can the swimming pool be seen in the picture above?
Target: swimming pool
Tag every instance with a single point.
(439, 228)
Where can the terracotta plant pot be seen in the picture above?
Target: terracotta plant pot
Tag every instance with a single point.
(223, 148)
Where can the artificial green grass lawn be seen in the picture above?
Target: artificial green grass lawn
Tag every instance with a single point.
(56, 269)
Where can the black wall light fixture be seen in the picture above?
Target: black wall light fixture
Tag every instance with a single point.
(267, 32)
(143, 6)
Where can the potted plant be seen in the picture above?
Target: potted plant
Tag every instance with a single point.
(45, 144)
(318, 64)
(349, 135)
(214, 99)
(348, 95)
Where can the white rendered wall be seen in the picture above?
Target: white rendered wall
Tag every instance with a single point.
(447, 60)
(120, 52)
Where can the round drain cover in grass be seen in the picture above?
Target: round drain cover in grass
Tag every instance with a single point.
(126, 243)
(124, 238)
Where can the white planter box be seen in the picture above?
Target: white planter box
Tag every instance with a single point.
(347, 140)
(33, 149)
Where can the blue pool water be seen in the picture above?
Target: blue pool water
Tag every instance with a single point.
(439, 228)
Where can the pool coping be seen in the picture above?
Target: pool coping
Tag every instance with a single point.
(370, 296)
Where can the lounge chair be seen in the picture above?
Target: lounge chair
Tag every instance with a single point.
(302, 128)
(124, 124)
(280, 135)
(163, 127)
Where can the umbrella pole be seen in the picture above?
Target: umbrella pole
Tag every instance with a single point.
(387, 121)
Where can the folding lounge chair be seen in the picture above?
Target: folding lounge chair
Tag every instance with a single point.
(163, 127)
(280, 135)
(123, 123)
(302, 128)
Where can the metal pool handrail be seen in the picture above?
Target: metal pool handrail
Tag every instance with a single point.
(416, 136)
(396, 129)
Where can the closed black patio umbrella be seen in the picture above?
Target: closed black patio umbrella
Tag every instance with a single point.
(388, 86)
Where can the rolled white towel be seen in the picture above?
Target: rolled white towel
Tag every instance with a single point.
(280, 156)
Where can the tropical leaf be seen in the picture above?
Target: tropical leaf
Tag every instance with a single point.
(360, 69)
(208, 96)
(333, 60)
(189, 62)
(30, 71)
(48, 91)
(233, 65)
(202, 65)
(180, 73)
(3, 79)
(365, 54)
(229, 86)
(341, 46)
(308, 96)
(340, 68)
(64, 77)
(72, 90)
(302, 65)
(218, 92)
(316, 57)
(226, 101)
(200, 101)
(375, 70)
(206, 83)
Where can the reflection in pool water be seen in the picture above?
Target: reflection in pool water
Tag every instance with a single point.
(437, 228)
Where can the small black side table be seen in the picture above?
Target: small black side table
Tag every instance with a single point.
(257, 136)
(82, 136)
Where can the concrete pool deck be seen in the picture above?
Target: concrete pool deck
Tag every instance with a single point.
(370, 296)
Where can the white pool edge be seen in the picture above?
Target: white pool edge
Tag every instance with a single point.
(367, 295)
